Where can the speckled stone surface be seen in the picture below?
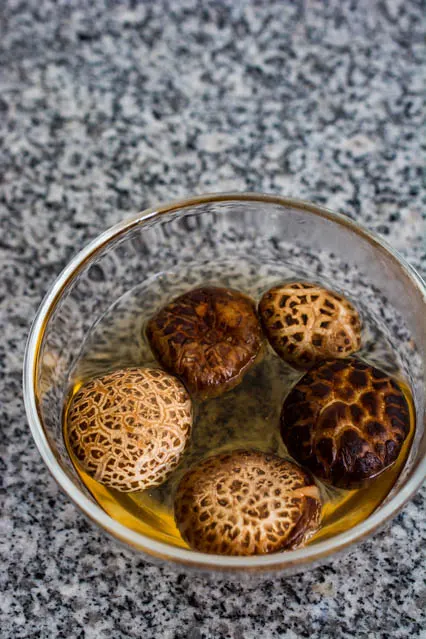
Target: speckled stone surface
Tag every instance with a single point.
(109, 107)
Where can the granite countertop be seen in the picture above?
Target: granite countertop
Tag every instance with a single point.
(107, 108)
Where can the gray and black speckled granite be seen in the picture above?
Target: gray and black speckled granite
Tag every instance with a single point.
(109, 107)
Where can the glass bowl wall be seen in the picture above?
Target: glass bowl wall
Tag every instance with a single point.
(208, 239)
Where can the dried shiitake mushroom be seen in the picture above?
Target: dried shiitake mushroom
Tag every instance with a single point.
(209, 337)
(345, 421)
(306, 323)
(246, 503)
(129, 429)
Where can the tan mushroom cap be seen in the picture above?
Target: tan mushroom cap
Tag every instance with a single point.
(346, 421)
(246, 503)
(306, 323)
(209, 337)
(129, 429)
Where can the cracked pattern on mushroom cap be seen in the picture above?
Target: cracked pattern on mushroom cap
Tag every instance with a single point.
(129, 429)
(345, 421)
(306, 323)
(209, 336)
(246, 503)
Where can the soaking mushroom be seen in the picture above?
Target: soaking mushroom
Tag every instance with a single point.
(129, 428)
(246, 503)
(345, 421)
(306, 323)
(209, 337)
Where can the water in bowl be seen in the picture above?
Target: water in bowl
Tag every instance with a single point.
(245, 417)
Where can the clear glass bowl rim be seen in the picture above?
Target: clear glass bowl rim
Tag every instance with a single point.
(290, 559)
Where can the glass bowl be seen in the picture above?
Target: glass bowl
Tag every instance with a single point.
(200, 239)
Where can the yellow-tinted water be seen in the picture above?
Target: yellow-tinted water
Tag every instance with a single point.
(246, 417)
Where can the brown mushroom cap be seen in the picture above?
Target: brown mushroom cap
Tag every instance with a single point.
(345, 421)
(306, 323)
(129, 429)
(246, 503)
(209, 337)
